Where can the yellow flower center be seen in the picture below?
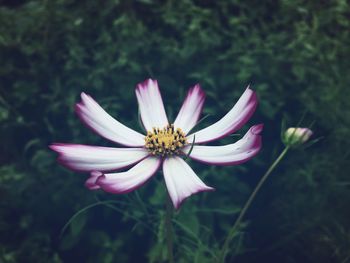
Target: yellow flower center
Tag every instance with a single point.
(166, 141)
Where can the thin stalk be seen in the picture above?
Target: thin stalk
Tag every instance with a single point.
(169, 230)
(223, 252)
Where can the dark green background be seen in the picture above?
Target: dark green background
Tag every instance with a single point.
(295, 54)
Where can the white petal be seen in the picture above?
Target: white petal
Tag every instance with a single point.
(231, 122)
(231, 154)
(96, 118)
(181, 181)
(151, 105)
(87, 158)
(191, 109)
(124, 182)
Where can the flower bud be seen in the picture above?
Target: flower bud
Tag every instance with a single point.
(296, 136)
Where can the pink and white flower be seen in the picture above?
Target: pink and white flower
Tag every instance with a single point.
(163, 145)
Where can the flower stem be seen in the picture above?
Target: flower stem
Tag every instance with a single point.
(169, 230)
(231, 234)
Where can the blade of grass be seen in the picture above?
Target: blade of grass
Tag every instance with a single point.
(192, 145)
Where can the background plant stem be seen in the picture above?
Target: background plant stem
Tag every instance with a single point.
(169, 230)
(223, 252)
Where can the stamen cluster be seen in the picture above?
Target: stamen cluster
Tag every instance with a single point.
(166, 141)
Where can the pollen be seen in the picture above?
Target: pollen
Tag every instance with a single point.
(166, 141)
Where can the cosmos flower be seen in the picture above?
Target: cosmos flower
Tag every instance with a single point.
(163, 145)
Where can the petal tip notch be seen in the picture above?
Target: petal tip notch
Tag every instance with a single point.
(257, 129)
(91, 182)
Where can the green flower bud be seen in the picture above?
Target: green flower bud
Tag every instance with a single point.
(296, 136)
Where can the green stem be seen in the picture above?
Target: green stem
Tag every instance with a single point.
(169, 230)
(223, 252)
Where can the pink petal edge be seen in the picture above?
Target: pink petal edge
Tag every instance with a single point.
(87, 120)
(248, 110)
(184, 183)
(151, 104)
(256, 147)
(71, 165)
(195, 97)
(136, 180)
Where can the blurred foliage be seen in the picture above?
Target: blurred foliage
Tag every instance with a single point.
(295, 54)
